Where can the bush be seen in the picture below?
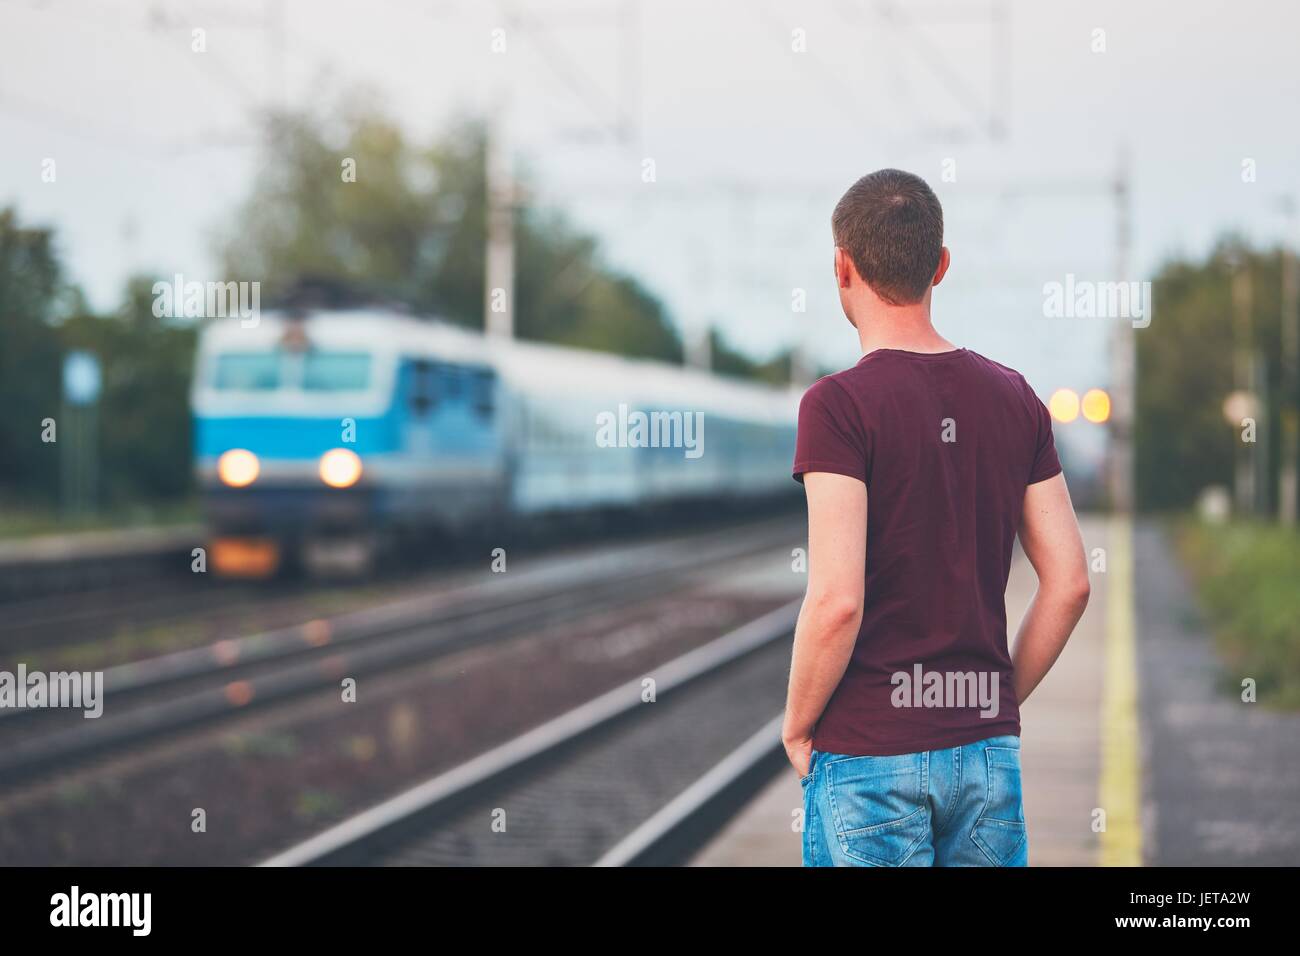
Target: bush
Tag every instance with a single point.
(1248, 577)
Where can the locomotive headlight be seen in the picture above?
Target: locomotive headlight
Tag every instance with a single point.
(238, 468)
(340, 468)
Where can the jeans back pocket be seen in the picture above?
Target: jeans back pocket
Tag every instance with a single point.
(999, 830)
(878, 806)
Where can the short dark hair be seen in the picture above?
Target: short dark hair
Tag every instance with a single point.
(891, 225)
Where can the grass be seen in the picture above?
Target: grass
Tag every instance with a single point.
(1248, 579)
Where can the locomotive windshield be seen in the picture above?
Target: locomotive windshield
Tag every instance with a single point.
(246, 372)
(310, 371)
(335, 371)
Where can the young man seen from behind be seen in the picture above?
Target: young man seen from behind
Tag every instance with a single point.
(921, 464)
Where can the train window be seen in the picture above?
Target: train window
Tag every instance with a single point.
(246, 372)
(335, 371)
(484, 391)
(451, 382)
(422, 389)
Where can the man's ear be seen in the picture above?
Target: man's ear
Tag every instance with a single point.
(945, 260)
(843, 268)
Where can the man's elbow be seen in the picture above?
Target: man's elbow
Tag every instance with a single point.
(834, 613)
(1074, 592)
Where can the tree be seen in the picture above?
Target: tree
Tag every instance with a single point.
(144, 409)
(727, 361)
(30, 383)
(1185, 359)
(410, 227)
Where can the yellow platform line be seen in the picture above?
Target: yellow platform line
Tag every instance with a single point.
(1119, 787)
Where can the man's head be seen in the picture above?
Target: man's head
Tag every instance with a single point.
(888, 231)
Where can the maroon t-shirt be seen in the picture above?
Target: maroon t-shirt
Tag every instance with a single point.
(946, 444)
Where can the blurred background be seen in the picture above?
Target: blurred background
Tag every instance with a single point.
(324, 333)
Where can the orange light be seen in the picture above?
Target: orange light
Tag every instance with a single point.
(1064, 404)
(1096, 405)
(245, 557)
(1237, 406)
(238, 468)
(317, 632)
(340, 468)
(239, 693)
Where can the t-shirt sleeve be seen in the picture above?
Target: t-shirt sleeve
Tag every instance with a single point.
(1046, 463)
(831, 435)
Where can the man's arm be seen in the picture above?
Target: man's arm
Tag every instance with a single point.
(832, 607)
(1049, 533)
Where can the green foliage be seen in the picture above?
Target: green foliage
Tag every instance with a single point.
(1185, 371)
(144, 418)
(1247, 576)
(143, 429)
(412, 228)
(727, 361)
(302, 221)
(29, 359)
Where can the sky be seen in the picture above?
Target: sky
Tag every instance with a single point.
(756, 115)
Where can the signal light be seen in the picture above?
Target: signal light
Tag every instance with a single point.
(1064, 404)
(1096, 406)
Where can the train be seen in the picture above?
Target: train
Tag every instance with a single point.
(326, 438)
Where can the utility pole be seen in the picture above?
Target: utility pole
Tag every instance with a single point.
(79, 455)
(803, 371)
(503, 196)
(1121, 745)
(698, 342)
(1122, 362)
(1290, 404)
(1243, 374)
(1262, 453)
(699, 349)
(499, 287)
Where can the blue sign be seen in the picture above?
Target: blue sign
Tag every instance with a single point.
(81, 378)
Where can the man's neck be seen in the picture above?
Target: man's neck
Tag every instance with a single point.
(906, 327)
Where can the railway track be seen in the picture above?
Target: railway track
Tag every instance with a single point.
(617, 781)
(50, 621)
(58, 620)
(151, 699)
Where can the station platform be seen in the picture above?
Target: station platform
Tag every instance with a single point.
(104, 544)
(1061, 749)
(57, 564)
(764, 833)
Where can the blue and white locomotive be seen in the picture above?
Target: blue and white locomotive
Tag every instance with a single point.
(323, 438)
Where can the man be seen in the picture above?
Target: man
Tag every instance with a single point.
(921, 464)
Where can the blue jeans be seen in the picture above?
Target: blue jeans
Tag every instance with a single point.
(954, 807)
